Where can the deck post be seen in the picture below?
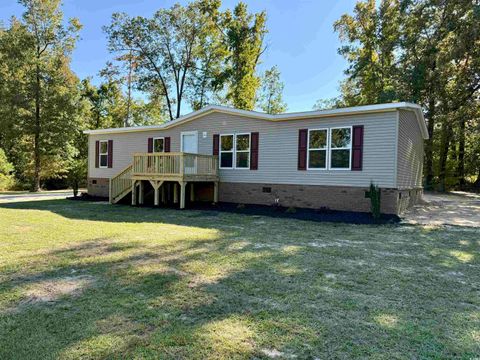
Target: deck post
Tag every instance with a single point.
(175, 193)
(215, 192)
(134, 192)
(155, 196)
(182, 194)
(141, 195)
(192, 194)
(163, 194)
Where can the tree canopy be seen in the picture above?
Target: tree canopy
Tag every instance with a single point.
(426, 52)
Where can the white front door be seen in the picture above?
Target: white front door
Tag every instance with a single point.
(189, 144)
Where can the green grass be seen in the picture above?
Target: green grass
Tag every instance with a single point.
(94, 281)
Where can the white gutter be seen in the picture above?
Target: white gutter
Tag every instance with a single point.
(280, 117)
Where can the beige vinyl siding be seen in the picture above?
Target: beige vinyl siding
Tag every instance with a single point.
(410, 152)
(278, 148)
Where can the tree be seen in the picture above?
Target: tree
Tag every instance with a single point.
(325, 104)
(371, 35)
(168, 47)
(423, 51)
(106, 104)
(244, 38)
(270, 99)
(40, 90)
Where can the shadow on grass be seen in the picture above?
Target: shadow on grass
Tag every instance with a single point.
(255, 290)
(321, 215)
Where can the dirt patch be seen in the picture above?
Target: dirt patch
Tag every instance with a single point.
(455, 208)
(53, 289)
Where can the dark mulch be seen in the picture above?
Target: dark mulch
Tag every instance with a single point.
(87, 197)
(319, 215)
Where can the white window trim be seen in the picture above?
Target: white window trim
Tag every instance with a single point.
(243, 151)
(158, 138)
(342, 148)
(234, 151)
(100, 154)
(326, 149)
(226, 151)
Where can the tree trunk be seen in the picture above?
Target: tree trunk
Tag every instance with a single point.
(445, 146)
(129, 89)
(37, 129)
(429, 145)
(461, 154)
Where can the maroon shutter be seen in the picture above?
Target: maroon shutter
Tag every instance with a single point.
(254, 151)
(110, 153)
(216, 144)
(166, 145)
(357, 148)
(150, 145)
(97, 153)
(302, 149)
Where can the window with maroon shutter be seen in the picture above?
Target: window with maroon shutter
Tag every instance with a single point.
(216, 144)
(357, 148)
(97, 153)
(110, 153)
(254, 151)
(150, 145)
(167, 144)
(302, 149)
(103, 153)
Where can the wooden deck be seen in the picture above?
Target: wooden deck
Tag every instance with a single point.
(158, 168)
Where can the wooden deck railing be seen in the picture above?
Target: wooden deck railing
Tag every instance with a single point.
(174, 164)
(120, 184)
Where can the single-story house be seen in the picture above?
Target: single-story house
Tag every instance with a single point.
(323, 159)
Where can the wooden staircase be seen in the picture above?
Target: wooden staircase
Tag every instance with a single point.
(121, 184)
(158, 168)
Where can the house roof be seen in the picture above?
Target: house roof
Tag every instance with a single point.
(366, 109)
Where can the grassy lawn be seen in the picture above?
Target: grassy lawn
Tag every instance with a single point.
(89, 280)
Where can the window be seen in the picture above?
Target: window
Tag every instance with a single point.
(317, 148)
(235, 151)
(242, 153)
(226, 151)
(103, 154)
(158, 144)
(340, 148)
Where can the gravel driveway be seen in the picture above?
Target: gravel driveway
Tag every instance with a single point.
(455, 208)
(47, 195)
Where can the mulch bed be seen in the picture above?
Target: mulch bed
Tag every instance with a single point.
(87, 197)
(320, 215)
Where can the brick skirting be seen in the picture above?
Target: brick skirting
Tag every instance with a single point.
(393, 201)
(98, 187)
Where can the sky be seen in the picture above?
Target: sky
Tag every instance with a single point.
(301, 40)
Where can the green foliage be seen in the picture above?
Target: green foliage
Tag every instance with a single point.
(427, 52)
(175, 51)
(6, 168)
(244, 37)
(375, 202)
(325, 104)
(77, 174)
(40, 107)
(270, 99)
